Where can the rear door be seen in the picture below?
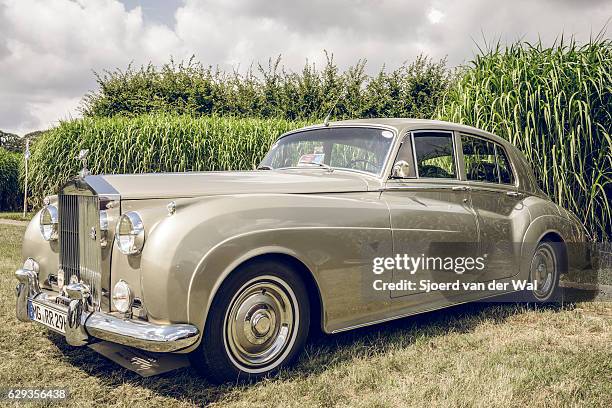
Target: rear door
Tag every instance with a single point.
(496, 201)
(431, 214)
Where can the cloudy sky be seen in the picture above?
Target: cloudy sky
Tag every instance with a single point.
(49, 48)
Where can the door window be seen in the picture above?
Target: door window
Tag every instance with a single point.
(434, 155)
(505, 171)
(485, 161)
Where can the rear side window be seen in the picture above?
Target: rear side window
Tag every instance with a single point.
(435, 155)
(485, 161)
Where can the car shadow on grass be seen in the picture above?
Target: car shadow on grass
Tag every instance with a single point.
(323, 352)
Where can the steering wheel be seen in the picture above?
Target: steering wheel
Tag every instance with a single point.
(366, 161)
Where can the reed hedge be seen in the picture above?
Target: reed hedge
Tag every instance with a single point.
(150, 143)
(10, 190)
(555, 104)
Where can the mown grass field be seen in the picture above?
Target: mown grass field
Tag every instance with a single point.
(16, 216)
(475, 355)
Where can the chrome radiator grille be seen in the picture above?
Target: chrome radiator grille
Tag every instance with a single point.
(80, 251)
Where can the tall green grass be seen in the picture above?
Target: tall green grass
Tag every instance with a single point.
(10, 191)
(555, 104)
(150, 143)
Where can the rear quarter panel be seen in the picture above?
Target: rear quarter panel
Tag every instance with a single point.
(546, 218)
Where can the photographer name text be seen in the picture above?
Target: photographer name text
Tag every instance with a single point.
(427, 285)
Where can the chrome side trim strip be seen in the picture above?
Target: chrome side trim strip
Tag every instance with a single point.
(402, 315)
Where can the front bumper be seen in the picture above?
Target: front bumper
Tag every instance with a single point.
(83, 326)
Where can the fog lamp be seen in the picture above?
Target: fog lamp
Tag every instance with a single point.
(31, 265)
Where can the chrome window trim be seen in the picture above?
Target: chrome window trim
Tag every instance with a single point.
(414, 156)
(416, 163)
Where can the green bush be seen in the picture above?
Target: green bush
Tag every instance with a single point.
(555, 105)
(412, 90)
(10, 190)
(11, 142)
(149, 143)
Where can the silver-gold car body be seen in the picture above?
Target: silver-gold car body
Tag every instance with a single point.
(140, 259)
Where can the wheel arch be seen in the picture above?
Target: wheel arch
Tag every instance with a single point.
(555, 236)
(199, 304)
(305, 274)
(545, 227)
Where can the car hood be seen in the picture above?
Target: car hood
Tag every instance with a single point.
(194, 184)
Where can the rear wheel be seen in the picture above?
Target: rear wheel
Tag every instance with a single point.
(258, 322)
(545, 269)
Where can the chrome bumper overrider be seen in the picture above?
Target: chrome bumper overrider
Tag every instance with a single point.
(83, 326)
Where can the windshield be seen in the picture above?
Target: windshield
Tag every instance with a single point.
(350, 148)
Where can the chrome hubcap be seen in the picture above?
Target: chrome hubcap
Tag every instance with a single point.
(543, 270)
(261, 322)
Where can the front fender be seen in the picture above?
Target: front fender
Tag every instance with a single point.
(189, 254)
(46, 253)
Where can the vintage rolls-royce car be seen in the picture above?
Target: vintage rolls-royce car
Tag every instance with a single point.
(235, 268)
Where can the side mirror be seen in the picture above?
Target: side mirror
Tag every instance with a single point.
(400, 169)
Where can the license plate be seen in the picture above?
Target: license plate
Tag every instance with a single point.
(50, 317)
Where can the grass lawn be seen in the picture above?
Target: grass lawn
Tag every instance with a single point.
(17, 216)
(475, 355)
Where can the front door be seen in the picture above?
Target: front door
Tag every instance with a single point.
(431, 215)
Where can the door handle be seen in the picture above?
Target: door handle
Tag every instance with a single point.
(513, 193)
(461, 188)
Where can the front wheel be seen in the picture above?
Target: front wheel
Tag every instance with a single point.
(258, 322)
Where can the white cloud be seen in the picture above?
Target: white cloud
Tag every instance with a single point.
(52, 47)
(48, 49)
(435, 16)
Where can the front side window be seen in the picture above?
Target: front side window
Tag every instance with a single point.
(485, 161)
(351, 148)
(435, 155)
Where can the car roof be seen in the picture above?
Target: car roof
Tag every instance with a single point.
(404, 124)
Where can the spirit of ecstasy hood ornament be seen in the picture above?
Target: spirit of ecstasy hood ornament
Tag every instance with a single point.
(83, 158)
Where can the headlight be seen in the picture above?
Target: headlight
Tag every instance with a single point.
(130, 233)
(31, 265)
(122, 296)
(48, 223)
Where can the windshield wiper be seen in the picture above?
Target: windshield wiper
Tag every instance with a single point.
(325, 166)
(265, 168)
